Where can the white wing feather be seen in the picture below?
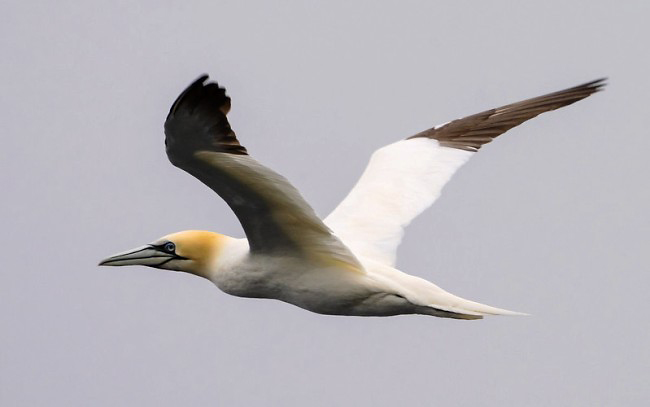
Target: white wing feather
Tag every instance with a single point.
(405, 178)
(401, 180)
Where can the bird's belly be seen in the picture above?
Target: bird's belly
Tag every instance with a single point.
(322, 290)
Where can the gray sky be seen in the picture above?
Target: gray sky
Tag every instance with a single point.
(550, 219)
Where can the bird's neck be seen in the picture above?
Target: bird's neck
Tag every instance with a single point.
(226, 254)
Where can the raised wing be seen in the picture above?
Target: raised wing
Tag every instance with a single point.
(405, 178)
(275, 217)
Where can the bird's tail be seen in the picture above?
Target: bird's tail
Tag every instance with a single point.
(433, 300)
(451, 306)
(429, 299)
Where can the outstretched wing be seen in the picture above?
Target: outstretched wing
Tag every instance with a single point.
(275, 217)
(404, 178)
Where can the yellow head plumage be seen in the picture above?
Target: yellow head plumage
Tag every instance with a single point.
(191, 251)
(199, 246)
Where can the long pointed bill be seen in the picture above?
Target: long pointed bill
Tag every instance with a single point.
(143, 256)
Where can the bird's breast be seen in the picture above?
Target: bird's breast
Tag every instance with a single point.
(309, 286)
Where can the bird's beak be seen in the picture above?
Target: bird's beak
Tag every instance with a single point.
(144, 256)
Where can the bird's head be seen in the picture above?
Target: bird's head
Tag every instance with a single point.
(191, 251)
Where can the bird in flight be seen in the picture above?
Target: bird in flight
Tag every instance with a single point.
(344, 264)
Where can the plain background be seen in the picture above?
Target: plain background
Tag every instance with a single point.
(550, 219)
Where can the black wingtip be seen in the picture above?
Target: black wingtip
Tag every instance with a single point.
(595, 85)
(201, 94)
(197, 120)
(471, 132)
(203, 78)
(601, 83)
(199, 82)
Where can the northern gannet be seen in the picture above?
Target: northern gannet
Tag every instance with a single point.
(345, 264)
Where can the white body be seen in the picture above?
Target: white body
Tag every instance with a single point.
(375, 290)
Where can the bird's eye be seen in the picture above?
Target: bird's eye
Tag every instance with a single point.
(169, 247)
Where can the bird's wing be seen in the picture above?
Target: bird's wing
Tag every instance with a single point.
(404, 178)
(275, 217)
